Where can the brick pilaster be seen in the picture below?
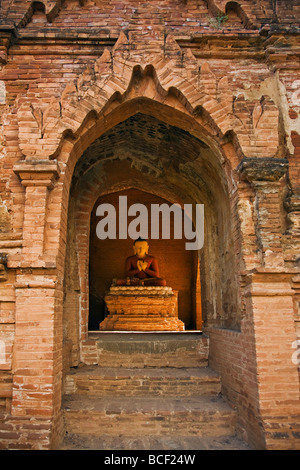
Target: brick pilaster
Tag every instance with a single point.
(38, 178)
(265, 174)
(269, 300)
(37, 365)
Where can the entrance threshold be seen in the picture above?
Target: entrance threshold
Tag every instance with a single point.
(146, 332)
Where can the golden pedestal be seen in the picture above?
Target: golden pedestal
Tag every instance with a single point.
(141, 308)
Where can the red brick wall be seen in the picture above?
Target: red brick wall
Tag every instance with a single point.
(70, 71)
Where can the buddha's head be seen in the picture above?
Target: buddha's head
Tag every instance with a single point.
(140, 248)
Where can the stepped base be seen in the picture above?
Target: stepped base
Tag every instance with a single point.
(136, 322)
(141, 308)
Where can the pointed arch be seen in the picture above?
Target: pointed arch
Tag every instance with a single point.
(118, 78)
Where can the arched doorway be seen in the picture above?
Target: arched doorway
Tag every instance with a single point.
(150, 156)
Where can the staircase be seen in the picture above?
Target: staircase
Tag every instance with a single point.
(147, 391)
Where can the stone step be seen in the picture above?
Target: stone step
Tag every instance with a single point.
(132, 350)
(136, 416)
(100, 381)
(152, 443)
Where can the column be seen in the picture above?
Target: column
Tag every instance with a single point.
(265, 174)
(38, 178)
(37, 364)
(269, 300)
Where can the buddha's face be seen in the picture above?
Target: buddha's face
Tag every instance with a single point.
(141, 249)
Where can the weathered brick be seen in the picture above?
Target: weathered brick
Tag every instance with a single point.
(159, 100)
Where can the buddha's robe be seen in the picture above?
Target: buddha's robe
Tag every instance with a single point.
(150, 276)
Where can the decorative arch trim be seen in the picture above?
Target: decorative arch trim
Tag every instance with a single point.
(122, 74)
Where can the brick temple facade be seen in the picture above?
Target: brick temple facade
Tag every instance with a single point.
(178, 101)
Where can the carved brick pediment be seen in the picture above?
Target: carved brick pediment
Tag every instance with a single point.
(119, 74)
